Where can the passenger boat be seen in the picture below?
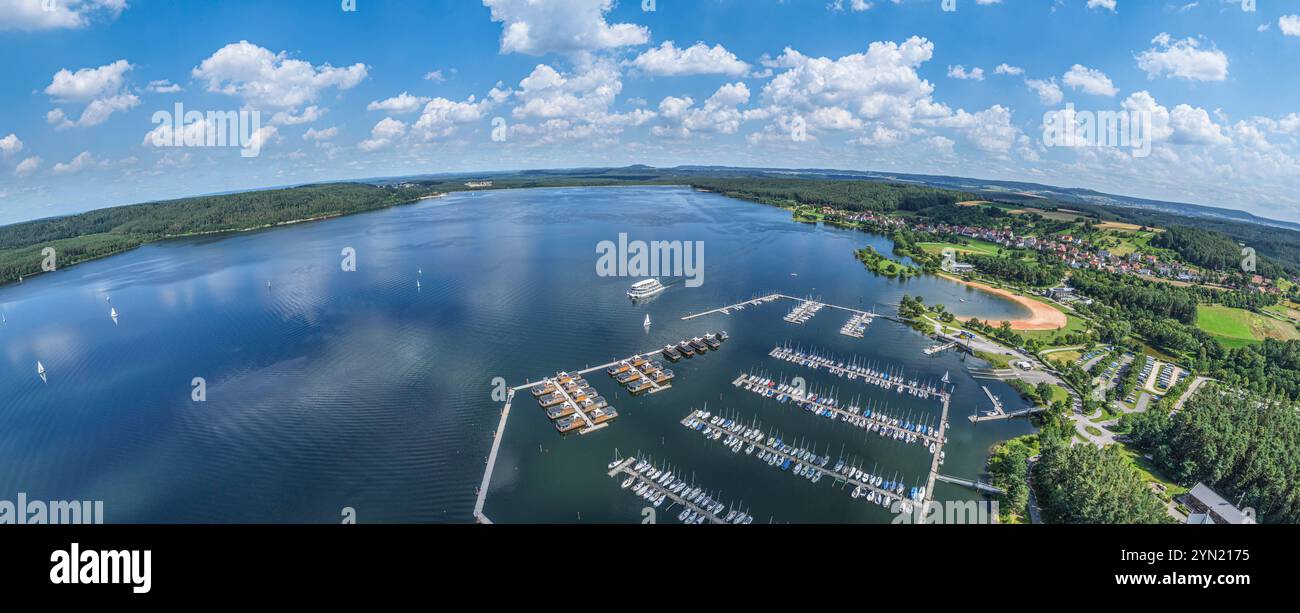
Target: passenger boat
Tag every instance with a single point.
(711, 342)
(645, 289)
(671, 353)
(686, 349)
(699, 345)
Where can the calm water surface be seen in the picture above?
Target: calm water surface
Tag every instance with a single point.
(335, 389)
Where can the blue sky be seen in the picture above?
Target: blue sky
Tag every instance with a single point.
(404, 86)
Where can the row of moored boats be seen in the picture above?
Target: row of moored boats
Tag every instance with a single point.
(803, 312)
(870, 420)
(800, 461)
(657, 485)
(880, 378)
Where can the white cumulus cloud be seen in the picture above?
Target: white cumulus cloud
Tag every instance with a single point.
(561, 26)
(1184, 59)
(698, 59)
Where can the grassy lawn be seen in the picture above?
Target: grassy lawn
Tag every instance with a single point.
(997, 360)
(1152, 474)
(977, 247)
(1093, 430)
(1064, 358)
(1059, 394)
(1238, 327)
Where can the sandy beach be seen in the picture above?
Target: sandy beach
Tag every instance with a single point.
(1042, 316)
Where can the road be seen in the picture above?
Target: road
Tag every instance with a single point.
(1191, 391)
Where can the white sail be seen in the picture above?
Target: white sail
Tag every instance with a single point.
(113, 312)
(40, 370)
(647, 320)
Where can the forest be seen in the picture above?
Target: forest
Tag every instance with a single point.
(1035, 274)
(94, 234)
(848, 195)
(1212, 250)
(1086, 484)
(1138, 298)
(1241, 445)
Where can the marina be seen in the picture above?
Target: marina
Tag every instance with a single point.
(856, 327)
(887, 379)
(869, 419)
(658, 486)
(803, 312)
(803, 462)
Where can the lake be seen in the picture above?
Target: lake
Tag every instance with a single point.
(332, 389)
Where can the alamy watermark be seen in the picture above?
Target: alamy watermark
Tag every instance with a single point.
(24, 511)
(1068, 127)
(945, 512)
(181, 128)
(651, 259)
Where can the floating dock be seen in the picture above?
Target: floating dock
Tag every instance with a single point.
(854, 370)
(1012, 415)
(856, 327)
(871, 421)
(572, 404)
(726, 310)
(775, 453)
(803, 312)
(940, 348)
(659, 485)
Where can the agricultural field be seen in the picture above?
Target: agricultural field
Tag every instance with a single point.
(1239, 327)
(1057, 215)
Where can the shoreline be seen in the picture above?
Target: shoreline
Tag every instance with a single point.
(1041, 316)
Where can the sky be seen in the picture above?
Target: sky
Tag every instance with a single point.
(347, 89)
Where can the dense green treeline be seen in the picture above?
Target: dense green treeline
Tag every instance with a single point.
(94, 234)
(1085, 484)
(1032, 273)
(1241, 445)
(847, 195)
(1137, 297)
(1210, 249)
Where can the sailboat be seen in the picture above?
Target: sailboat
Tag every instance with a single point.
(647, 320)
(417, 284)
(113, 313)
(945, 376)
(268, 284)
(40, 370)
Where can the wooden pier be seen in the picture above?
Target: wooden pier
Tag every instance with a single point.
(845, 415)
